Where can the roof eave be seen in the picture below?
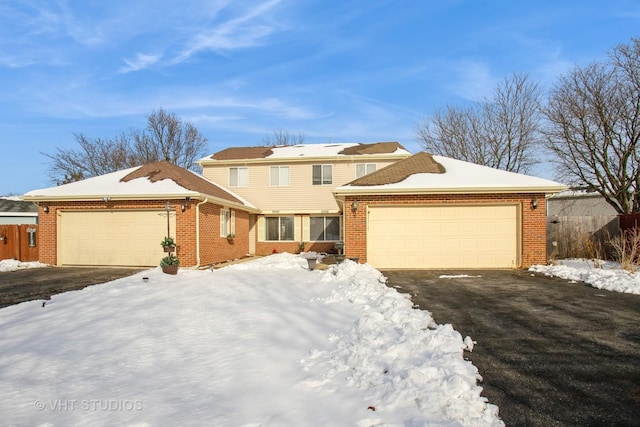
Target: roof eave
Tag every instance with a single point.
(128, 197)
(458, 190)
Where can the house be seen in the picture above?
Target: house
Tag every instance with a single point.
(293, 188)
(429, 211)
(15, 211)
(390, 208)
(121, 217)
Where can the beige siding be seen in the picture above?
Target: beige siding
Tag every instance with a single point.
(300, 196)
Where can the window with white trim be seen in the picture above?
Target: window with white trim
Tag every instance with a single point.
(279, 176)
(239, 177)
(324, 228)
(227, 222)
(279, 228)
(322, 174)
(363, 169)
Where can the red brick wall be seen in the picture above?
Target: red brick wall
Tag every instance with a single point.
(213, 248)
(533, 233)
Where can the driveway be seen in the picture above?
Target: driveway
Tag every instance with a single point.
(551, 353)
(40, 283)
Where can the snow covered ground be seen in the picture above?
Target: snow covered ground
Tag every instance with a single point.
(607, 275)
(263, 343)
(12, 264)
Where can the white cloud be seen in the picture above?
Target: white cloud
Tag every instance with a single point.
(141, 61)
(472, 80)
(236, 33)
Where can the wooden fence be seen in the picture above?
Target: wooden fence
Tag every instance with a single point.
(580, 236)
(19, 242)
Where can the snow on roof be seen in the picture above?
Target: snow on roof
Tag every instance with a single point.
(309, 150)
(151, 181)
(417, 174)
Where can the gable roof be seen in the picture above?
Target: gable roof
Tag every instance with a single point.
(307, 151)
(158, 180)
(426, 173)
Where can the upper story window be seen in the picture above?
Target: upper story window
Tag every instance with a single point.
(239, 177)
(363, 169)
(322, 174)
(279, 176)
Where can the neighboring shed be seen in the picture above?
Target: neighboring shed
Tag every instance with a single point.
(119, 219)
(430, 211)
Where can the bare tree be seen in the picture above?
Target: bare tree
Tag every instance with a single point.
(502, 132)
(593, 127)
(283, 137)
(166, 137)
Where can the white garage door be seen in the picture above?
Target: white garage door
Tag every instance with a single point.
(112, 237)
(443, 236)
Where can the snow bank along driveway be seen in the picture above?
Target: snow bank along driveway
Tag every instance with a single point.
(256, 344)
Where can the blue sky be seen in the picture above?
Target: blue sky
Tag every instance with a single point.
(340, 71)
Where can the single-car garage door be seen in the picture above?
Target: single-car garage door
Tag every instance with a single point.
(112, 237)
(443, 236)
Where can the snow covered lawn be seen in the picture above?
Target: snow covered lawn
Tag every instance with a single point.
(608, 275)
(264, 343)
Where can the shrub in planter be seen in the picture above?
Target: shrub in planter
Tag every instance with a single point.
(168, 244)
(169, 264)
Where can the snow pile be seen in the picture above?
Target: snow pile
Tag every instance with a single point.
(608, 275)
(263, 343)
(12, 265)
(402, 361)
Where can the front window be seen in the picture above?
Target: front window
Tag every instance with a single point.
(325, 228)
(238, 177)
(363, 169)
(227, 222)
(279, 176)
(279, 228)
(322, 174)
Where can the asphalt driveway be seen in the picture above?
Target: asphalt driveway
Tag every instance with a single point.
(40, 283)
(551, 353)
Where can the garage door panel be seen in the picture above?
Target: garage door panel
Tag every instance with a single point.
(112, 237)
(443, 236)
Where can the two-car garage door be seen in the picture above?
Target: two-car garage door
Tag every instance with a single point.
(477, 236)
(112, 237)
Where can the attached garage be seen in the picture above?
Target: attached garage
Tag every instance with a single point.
(112, 237)
(443, 236)
(434, 212)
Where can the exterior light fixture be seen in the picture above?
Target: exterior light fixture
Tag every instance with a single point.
(354, 206)
(183, 207)
(534, 203)
(45, 209)
(106, 199)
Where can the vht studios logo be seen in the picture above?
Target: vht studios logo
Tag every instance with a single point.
(88, 405)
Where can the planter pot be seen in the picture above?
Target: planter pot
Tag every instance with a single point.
(169, 248)
(312, 263)
(169, 269)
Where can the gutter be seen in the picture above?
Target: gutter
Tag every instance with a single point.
(462, 190)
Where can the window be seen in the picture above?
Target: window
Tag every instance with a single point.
(322, 174)
(325, 228)
(279, 228)
(279, 176)
(227, 222)
(238, 177)
(363, 169)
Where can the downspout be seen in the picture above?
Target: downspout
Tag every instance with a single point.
(341, 204)
(206, 199)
